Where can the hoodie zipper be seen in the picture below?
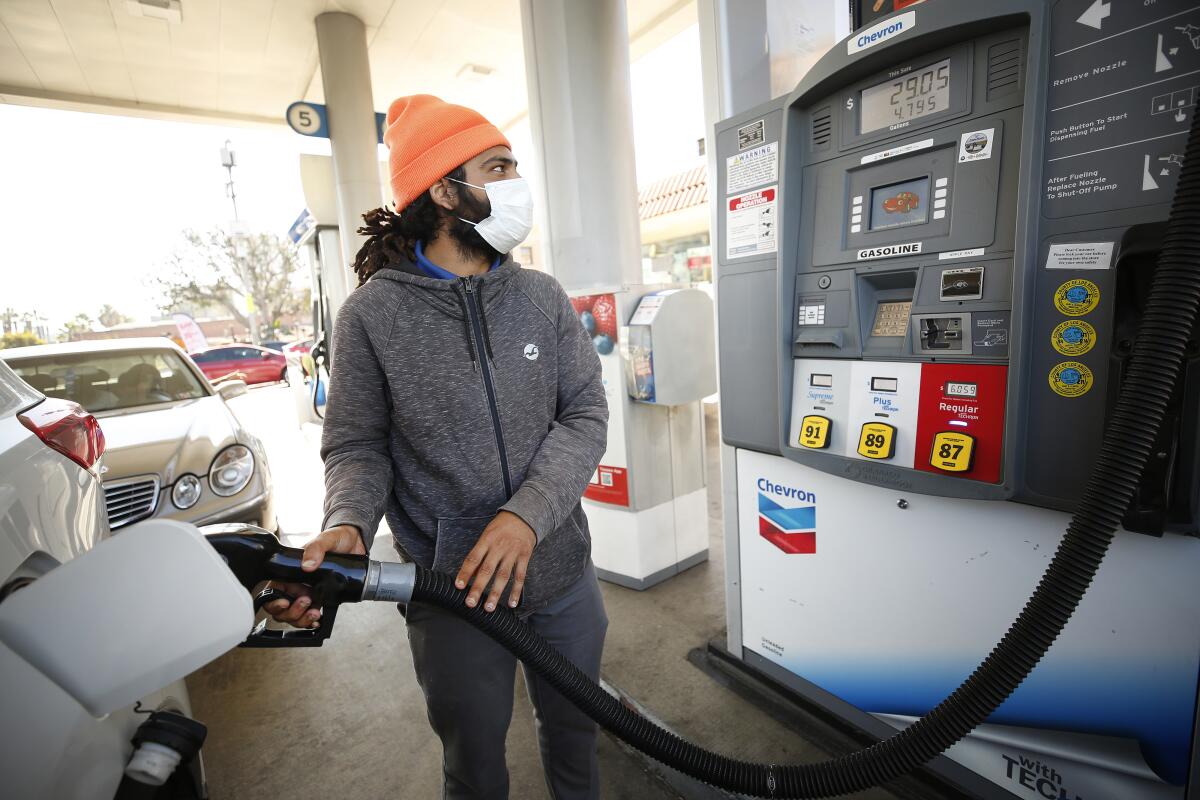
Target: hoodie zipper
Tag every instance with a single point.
(488, 386)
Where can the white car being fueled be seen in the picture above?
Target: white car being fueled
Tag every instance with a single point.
(175, 449)
(54, 741)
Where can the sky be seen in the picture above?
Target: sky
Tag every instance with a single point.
(91, 205)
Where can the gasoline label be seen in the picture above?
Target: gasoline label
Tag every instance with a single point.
(1071, 379)
(1073, 337)
(1076, 298)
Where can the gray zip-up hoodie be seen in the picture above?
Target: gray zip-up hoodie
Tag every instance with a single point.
(451, 400)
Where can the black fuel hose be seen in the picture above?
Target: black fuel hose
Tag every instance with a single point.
(1151, 376)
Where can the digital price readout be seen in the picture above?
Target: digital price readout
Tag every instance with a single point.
(908, 97)
(965, 390)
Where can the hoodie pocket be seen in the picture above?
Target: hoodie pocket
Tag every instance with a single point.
(455, 538)
(556, 563)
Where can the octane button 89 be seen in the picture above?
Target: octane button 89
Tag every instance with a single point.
(877, 441)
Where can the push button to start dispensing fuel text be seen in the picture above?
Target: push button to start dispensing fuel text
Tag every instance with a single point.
(952, 451)
(877, 441)
(814, 432)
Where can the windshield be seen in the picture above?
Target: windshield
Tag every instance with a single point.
(107, 381)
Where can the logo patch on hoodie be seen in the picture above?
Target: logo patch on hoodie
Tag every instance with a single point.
(531, 352)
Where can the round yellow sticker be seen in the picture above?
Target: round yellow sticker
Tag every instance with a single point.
(1076, 298)
(1071, 379)
(1073, 337)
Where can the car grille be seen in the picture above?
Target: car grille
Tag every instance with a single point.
(130, 500)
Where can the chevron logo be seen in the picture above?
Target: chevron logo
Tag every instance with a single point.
(792, 530)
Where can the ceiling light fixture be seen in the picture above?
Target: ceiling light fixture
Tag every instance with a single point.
(474, 72)
(169, 10)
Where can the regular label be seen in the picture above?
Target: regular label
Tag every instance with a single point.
(1071, 379)
(1082, 255)
(976, 145)
(1076, 298)
(752, 168)
(1073, 337)
(750, 223)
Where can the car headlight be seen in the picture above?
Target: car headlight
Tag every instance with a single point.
(231, 470)
(186, 491)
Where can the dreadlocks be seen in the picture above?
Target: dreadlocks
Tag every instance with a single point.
(392, 237)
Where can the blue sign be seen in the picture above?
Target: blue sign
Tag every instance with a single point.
(312, 119)
(300, 228)
(308, 119)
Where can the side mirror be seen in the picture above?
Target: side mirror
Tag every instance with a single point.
(105, 627)
(231, 389)
(265, 356)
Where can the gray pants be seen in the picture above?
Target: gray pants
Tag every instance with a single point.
(468, 683)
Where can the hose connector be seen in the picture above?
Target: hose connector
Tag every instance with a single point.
(389, 582)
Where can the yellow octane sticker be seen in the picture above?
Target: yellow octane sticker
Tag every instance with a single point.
(1076, 298)
(1071, 379)
(814, 432)
(1073, 337)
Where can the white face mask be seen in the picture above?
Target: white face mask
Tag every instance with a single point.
(511, 219)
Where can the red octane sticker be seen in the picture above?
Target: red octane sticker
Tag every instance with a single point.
(967, 399)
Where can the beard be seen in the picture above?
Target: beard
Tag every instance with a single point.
(467, 241)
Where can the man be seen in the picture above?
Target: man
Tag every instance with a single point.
(466, 404)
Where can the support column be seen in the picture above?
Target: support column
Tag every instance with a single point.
(346, 76)
(736, 69)
(580, 110)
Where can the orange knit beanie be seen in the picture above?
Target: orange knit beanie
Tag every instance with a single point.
(427, 138)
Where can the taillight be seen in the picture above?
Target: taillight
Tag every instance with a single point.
(64, 426)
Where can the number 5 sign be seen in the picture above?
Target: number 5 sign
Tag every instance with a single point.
(312, 119)
(309, 119)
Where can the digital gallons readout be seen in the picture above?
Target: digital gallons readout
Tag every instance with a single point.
(901, 100)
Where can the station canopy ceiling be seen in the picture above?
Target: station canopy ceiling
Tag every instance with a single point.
(245, 61)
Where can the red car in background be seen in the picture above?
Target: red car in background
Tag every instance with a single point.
(243, 361)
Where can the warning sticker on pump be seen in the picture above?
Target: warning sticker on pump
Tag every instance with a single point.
(976, 145)
(752, 168)
(1073, 337)
(750, 223)
(1076, 298)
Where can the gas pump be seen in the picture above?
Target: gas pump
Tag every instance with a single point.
(933, 256)
(318, 237)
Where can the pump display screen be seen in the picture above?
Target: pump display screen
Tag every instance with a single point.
(900, 204)
(912, 96)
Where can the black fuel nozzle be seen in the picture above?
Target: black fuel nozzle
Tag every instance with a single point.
(255, 555)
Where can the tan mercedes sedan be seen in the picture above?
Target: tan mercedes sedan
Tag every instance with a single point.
(174, 448)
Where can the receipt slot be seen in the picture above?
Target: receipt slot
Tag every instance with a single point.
(917, 368)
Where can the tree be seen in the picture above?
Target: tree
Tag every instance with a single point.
(110, 317)
(220, 268)
(82, 323)
(9, 340)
